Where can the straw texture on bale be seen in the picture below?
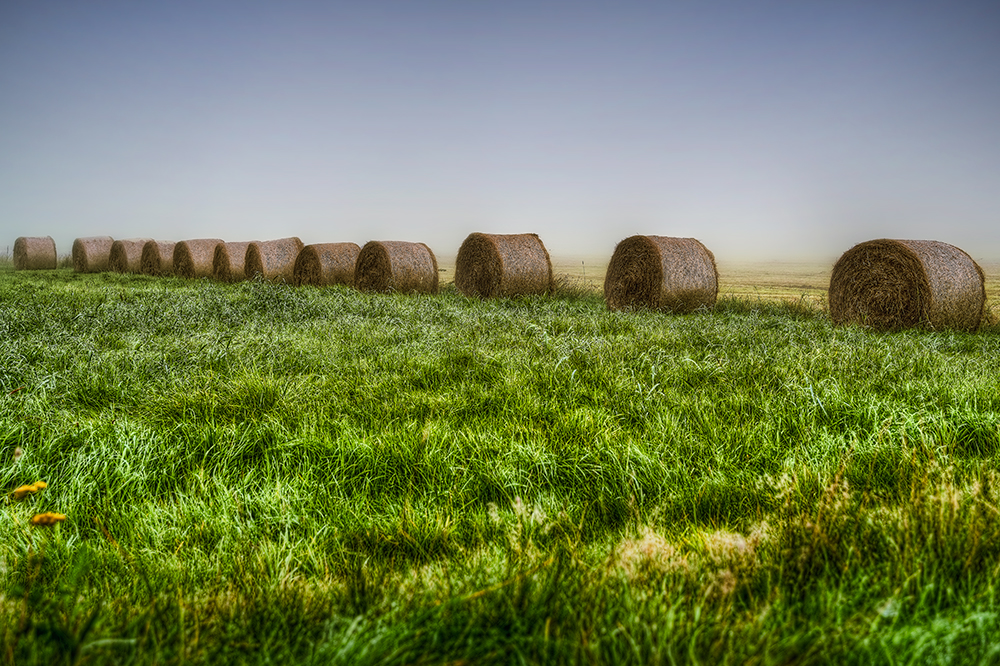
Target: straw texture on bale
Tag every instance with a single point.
(193, 258)
(34, 253)
(890, 285)
(396, 266)
(157, 258)
(499, 265)
(92, 254)
(273, 259)
(661, 273)
(126, 255)
(326, 264)
(229, 261)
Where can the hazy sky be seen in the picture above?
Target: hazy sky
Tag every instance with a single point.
(768, 130)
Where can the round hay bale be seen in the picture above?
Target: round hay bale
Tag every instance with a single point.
(396, 266)
(661, 273)
(890, 285)
(34, 253)
(229, 261)
(126, 255)
(92, 254)
(157, 258)
(193, 258)
(326, 264)
(273, 259)
(500, 265)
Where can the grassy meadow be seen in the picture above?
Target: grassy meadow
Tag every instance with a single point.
(254, 473)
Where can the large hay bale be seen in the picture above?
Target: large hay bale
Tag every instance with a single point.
(92, 254)
(126, 255)
(193, 258)
(34, 253)
(228, 263)
(273, 259)
(157, 258)
(498, 265)
(661, 273)
(890, 285)
(326, 264)
(396, 266)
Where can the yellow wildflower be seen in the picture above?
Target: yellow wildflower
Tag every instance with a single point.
(47, 519)
(24, 491)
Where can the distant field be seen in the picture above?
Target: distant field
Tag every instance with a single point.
(773, 281)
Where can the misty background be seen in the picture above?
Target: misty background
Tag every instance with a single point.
(768, 130)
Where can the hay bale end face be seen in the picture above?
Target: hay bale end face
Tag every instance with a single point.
(326, 264)
(92, 254)
(193, 258)
(890, 285)
(661, 273)
(229, 261)
(396, 266)
(273, 259)
(126, 255)
(157, 258)
(34, 253)
(501, 265)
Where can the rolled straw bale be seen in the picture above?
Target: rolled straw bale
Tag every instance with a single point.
(126, 255)
(229, 261)
(92, 254)
(661, 273)
(157, 258)
(326, 264)
(890, 285)
(273, 259)
(193, 258)
(498, 265)
(34, 253)
(396, 266)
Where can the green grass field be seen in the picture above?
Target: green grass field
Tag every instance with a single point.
(254, 473)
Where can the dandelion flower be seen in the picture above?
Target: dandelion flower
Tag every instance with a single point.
(24, 491)
(47, 519)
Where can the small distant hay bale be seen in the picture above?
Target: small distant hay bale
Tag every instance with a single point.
(661, 273)
(396, 266)
(229, 261)
(501, 265)
(890, 285)
(326, 264)
(126, 255)
(193, 258)
(157, 258)
(92, 254)
(34, 253)
(273, 260)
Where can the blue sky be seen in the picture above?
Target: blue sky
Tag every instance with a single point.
(769, 130)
